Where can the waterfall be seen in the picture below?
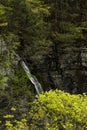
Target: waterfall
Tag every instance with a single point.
(32, 78)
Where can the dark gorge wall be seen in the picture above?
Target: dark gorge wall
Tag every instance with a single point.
(67, 70)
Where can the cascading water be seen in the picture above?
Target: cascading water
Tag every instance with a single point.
(32, 78)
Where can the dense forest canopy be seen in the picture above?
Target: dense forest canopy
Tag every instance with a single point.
(50, 36)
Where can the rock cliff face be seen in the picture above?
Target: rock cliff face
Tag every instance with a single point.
(66, 70)
(3, 54)
(6, 59)
(69, 73)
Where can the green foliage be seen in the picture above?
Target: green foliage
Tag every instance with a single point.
(20, 84)
(55, 110)
(29, 25)
(20, 125)
(3, 82)
(3, 21)
(38, 7)
(11, 123)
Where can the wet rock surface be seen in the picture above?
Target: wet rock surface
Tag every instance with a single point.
(70, 73)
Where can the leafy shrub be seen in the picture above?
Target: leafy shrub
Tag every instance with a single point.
(20, 125)
(53, 110)
(57, 110)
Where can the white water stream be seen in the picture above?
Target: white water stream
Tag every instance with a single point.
(32, 78)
